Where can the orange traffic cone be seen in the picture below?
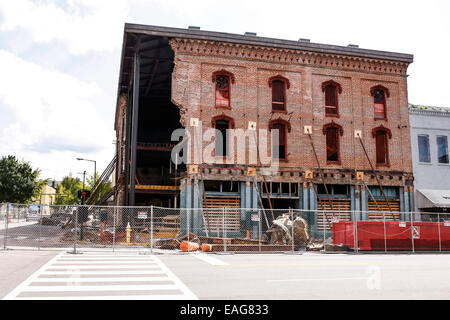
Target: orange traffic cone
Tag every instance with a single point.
(206, 247)
(188, 246)
(248, 235)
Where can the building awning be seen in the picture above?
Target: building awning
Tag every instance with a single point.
(428, 198)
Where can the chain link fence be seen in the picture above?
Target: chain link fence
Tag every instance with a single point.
(220, 229)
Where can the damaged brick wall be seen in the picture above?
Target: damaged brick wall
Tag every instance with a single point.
(193, 91)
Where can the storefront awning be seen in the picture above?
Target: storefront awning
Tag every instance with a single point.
(428, 198)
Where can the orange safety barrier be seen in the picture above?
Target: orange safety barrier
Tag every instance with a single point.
(206, 247)
(187, 246)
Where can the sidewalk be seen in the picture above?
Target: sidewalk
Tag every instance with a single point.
(15, 224)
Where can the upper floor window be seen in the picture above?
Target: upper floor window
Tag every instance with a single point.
(442, 148)
(331, 90)
(379, 94)
(223, 80)
(281, 147)
(332, 131)
(279, 85)
(424, 148)
(381, 135)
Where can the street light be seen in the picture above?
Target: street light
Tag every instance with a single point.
(95, 168)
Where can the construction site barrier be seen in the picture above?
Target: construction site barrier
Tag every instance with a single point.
(220, 229)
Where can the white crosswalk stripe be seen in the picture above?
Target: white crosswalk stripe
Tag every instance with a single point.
(98, 276)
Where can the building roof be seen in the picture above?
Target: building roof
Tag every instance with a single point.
(263, 41)
(154, 43)
(428, 110)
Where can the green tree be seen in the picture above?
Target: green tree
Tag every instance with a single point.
(68, 191)
(19, 183)
(104, 188)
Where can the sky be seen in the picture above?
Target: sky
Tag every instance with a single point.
(59, 60)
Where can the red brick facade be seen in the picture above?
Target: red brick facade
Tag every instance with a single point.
(252, 66)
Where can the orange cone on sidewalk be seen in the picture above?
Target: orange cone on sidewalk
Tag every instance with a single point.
(188, 246)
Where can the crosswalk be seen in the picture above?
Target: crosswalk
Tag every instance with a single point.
(102, 276)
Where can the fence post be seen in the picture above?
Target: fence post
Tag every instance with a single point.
(292, 218)
(439, 232)
(385, 235)
(259, 229)
(115, 213)
(40, 226)
(6, 225)
(324, 227)
(75, 225)
(188, 215)
(412, 233)
(151, 229)
(224, 231)
(356, 231)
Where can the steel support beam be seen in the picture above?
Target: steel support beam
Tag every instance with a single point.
(134, 126)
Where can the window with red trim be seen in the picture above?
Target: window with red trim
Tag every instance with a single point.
(379, 94)
(279, 85)
(381, 142)
(379, 104)
(381, 135)
(278, 95)
(332, 131)
(331, 90)
(223, 91)
(332, 145)
(281, 140)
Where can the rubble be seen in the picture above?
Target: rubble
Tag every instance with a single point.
(282, 231)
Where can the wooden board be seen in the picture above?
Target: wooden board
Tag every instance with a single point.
(341, 211)
(376, 212)
(214, 214)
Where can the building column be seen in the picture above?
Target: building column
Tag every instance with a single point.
(364, 204)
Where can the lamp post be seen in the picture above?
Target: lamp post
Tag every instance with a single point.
(95, 168)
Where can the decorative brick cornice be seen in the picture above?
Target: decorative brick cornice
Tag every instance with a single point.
(288, 56)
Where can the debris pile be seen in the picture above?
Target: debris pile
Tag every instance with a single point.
(282, 231)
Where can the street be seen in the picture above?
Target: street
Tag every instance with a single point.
(137, 274)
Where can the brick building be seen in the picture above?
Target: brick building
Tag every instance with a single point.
(185, 78)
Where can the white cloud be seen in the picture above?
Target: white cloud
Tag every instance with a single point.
(51, 114)
(83, 25)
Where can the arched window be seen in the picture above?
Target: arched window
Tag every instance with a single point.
(379, 94)
(283, 127)
(381, 135)
(222, 123)
(279, 85)
(332, 131)
(222, 80)
(331, 90)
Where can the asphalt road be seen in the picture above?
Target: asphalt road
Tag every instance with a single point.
(281, 276)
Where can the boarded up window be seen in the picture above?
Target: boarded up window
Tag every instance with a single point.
(381, 147)
(332, 144)
(281, 140)
(222, 91)
(331, 102)
(221, 137)
(278, 101)
(379, 103)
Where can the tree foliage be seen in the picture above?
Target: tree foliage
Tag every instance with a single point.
(68, 191)
(19, 183)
